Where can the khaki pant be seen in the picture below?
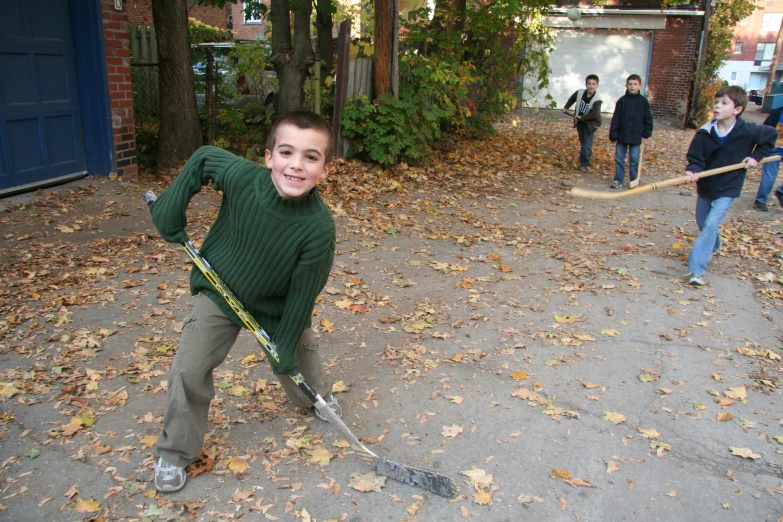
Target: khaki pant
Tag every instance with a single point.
(207, 337)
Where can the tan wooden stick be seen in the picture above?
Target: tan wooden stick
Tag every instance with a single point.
(635, 183)
(604, 194)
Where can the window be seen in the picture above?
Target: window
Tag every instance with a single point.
(764, 52)
(738, 48)
(733, 76)
(255, 18)
(771, 22)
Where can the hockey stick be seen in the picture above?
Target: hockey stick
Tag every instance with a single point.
(433, 482)
(603, 194)
(635, 183)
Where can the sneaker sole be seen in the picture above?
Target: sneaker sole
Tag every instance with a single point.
(168, 489)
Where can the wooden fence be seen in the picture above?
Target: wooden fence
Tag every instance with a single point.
(144, 71)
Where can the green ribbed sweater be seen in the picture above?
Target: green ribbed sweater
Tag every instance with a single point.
(275, 254)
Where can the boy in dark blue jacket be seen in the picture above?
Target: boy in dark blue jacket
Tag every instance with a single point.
(632, 122)
(724, 140)
(769, 171)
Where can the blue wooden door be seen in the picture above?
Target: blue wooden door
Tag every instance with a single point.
(41, 136)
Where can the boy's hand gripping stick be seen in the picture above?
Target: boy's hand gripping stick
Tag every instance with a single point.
(433, 482)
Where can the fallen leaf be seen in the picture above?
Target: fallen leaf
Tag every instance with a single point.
(148, 441)
(340, 386)
(478, 478)
(237, 464)
(650, 433)
(366, 482)
(744, 452)
(451, 431)
(614, 417)
(321, 455)
(87, 505)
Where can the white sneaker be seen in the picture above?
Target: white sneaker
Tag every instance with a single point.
(331, 401)
(696, 280)
(169, 478)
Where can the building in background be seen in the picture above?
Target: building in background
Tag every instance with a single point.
(624, 37)
(754, 46)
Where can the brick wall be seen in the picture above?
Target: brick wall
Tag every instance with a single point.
(140, 12)
(251, 30)
(671, 71)
(116, 42)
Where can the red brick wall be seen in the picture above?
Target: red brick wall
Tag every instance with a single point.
(671, 71)
(116, 42)
(140, 12)
(245, 30)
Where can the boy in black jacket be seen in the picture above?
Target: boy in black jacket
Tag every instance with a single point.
(587, 117)
(725, 140)
(769, 171)
(632, 122)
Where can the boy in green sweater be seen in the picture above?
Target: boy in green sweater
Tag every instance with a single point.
(273, 245)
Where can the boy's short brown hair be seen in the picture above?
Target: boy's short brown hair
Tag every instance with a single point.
(634, 77)
(303, 120)
(735, 94)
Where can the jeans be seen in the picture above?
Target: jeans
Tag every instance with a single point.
(586, 139)
(769, 171)
(619, 161)
(709, 216)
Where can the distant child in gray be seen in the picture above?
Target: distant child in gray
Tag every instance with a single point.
(587, 117)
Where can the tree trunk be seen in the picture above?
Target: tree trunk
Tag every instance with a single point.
(774, 63)
(323, 23)
(383, 47)
(291, 62)
(180, 129)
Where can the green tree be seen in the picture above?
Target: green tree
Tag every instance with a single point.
(722, 21)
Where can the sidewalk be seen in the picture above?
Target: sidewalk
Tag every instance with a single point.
(541, 350)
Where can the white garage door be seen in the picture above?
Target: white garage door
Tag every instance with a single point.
(612, 55)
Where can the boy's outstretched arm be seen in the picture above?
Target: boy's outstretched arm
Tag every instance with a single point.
(168, 212)
(569, 103)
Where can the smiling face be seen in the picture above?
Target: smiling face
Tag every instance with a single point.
(724, 109)
(633, 86)
(298, 160)
(591, 86)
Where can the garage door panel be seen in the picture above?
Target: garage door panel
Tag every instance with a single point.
(50, 28)
(613, 56)
(10, 20)
(51, 78)
(15, 88)
(60, 147)
(21, 134)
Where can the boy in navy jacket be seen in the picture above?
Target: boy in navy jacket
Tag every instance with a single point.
(724, 140)
(632, 122)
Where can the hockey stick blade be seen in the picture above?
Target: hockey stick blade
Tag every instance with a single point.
(433, 482)
(427, 480)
